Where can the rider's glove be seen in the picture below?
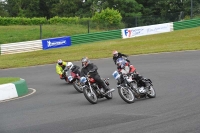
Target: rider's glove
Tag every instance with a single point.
(61, 76)
(92, 70)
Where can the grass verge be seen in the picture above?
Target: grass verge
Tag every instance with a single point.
(8, 80)
(20, 33)
(180, 40)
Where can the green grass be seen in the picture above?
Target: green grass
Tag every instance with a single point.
(8, 80)
(20, 33)
(180, 40)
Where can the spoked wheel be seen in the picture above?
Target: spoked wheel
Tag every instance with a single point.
(90, 96)
(77, 86)
(151, 93)
(126, 94)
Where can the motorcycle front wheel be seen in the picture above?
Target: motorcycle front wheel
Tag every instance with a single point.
(151, 93)
(126, 94)
(77, 86)
(90, 96)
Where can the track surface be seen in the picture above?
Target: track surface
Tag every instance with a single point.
(58, 108)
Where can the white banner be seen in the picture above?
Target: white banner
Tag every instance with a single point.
(7, 91)
(145, 30)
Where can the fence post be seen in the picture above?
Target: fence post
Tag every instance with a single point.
(88, 26)
(40, 31)
(136, 21)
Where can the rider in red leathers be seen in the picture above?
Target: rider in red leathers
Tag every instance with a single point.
(125, 68)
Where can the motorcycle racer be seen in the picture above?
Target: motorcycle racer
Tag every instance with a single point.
(73, 68)
(117, 55)
(60, 66)
(125, 68)
(92, 68)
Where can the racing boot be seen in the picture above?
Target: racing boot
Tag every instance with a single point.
(107, 89)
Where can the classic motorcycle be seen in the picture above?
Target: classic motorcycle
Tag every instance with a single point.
(75, 80)
(130, 88)
(92, 91)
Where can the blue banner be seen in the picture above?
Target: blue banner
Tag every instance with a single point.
(56, 42)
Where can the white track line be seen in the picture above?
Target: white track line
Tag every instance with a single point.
(19, 97)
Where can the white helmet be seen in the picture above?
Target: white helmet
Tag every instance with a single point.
(70, 65)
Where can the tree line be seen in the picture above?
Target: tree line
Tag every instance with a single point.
(87, 8)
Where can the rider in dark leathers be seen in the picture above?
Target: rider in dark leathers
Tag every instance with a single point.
(117, 55)
(90, 67)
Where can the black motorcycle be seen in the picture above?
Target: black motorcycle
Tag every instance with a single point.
(130, 88)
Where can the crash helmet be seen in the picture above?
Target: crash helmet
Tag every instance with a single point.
(70, 65)
(85, 61)
(115, 53)
(121, 62)
(60, 62)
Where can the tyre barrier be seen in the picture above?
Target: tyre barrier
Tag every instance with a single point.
(13, 90)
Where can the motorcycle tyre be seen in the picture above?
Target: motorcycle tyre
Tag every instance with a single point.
(124, 98)
(152, 90)
(85, 92)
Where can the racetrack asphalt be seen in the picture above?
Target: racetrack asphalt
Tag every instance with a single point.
(57, 107)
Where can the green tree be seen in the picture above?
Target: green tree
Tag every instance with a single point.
(108, 17)
(67, 8)
(3, 12)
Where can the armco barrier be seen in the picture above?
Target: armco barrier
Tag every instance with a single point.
(21, 47)
(13, 90)
(186, 24)
(97, 36)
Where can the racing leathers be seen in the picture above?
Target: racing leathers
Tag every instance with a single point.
(93, 74)
(60, 68)
(120, 55)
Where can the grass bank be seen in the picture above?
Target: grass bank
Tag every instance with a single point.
(20, 33)
(180, 40)
(8, 80)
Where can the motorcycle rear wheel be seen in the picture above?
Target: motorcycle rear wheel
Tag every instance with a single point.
(126, 94)
(90, 96)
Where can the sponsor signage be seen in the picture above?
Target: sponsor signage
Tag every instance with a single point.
(56, 42)
(145, 30)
